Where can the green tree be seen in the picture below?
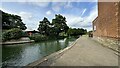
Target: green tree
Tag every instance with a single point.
(59, 24)
(12, 21)
(44, 26)
(76, 32)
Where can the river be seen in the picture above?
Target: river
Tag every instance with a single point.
(23, 54)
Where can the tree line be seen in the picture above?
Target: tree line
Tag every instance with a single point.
(56, 28)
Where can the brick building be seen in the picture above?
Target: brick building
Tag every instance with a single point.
(106, 27)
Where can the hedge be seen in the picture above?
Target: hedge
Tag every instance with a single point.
(14, 33)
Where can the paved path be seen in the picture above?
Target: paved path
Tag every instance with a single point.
(87, 52)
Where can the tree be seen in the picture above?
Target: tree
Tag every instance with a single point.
(59, 24)
(12, 21)
(44, 26)
(76, 32)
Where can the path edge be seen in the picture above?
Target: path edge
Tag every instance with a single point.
(54, 55)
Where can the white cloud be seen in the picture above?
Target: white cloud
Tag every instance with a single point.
(93, 14)
(8, 11)
(82, 22)
(69, 5)
(73, 20)
(56, 0)
(40, 4)
(59, 0)
(30, 20)
(48, 12)
(56, 6)
(25, 15)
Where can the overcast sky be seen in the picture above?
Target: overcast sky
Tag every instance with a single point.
(78, 14)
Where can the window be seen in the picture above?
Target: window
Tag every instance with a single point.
(94, 28)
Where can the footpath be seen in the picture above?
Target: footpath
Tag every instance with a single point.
(85, 52)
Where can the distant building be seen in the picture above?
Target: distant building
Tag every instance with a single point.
(32, 32)
(106, 27)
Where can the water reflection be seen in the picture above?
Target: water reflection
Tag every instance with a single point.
(23, 54)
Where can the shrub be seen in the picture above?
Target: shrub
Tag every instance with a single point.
(14, 33)
(25, 34)
(38, 37)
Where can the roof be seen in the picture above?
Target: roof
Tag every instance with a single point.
(95, 19)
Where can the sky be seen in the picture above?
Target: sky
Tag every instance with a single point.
(78, 14)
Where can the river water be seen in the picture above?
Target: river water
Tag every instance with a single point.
(23, 54)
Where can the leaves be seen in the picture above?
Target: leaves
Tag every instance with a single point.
(75, 32)
(12, 21)
(57, 26)
(14, 33)
(60, 24)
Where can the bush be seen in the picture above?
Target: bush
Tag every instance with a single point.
(25, 34)
(14, 33)
(38, 37)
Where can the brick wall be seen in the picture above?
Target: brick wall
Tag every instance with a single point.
(107, 21)
(119, 21)
(106, 27)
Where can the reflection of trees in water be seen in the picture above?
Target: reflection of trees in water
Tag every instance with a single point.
(66, 42)
(58, 45)
(11, 52)
(25, 53)
(48, 47)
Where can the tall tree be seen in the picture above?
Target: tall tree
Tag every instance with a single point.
(59, 24)
(44, 26)
(12, 21)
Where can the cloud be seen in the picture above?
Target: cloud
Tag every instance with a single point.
(48, 12)
(93, 14)
(57, 6)
(73, 20)
(82, 22)
(30, 20)
(8, 11)
(25, 15)
(56, 0)
(40, 4)
(59, 0)
(69, 5)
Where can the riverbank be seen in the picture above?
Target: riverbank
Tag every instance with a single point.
(23, 54)
(15, 42)
(84, 52)
(51, 57)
